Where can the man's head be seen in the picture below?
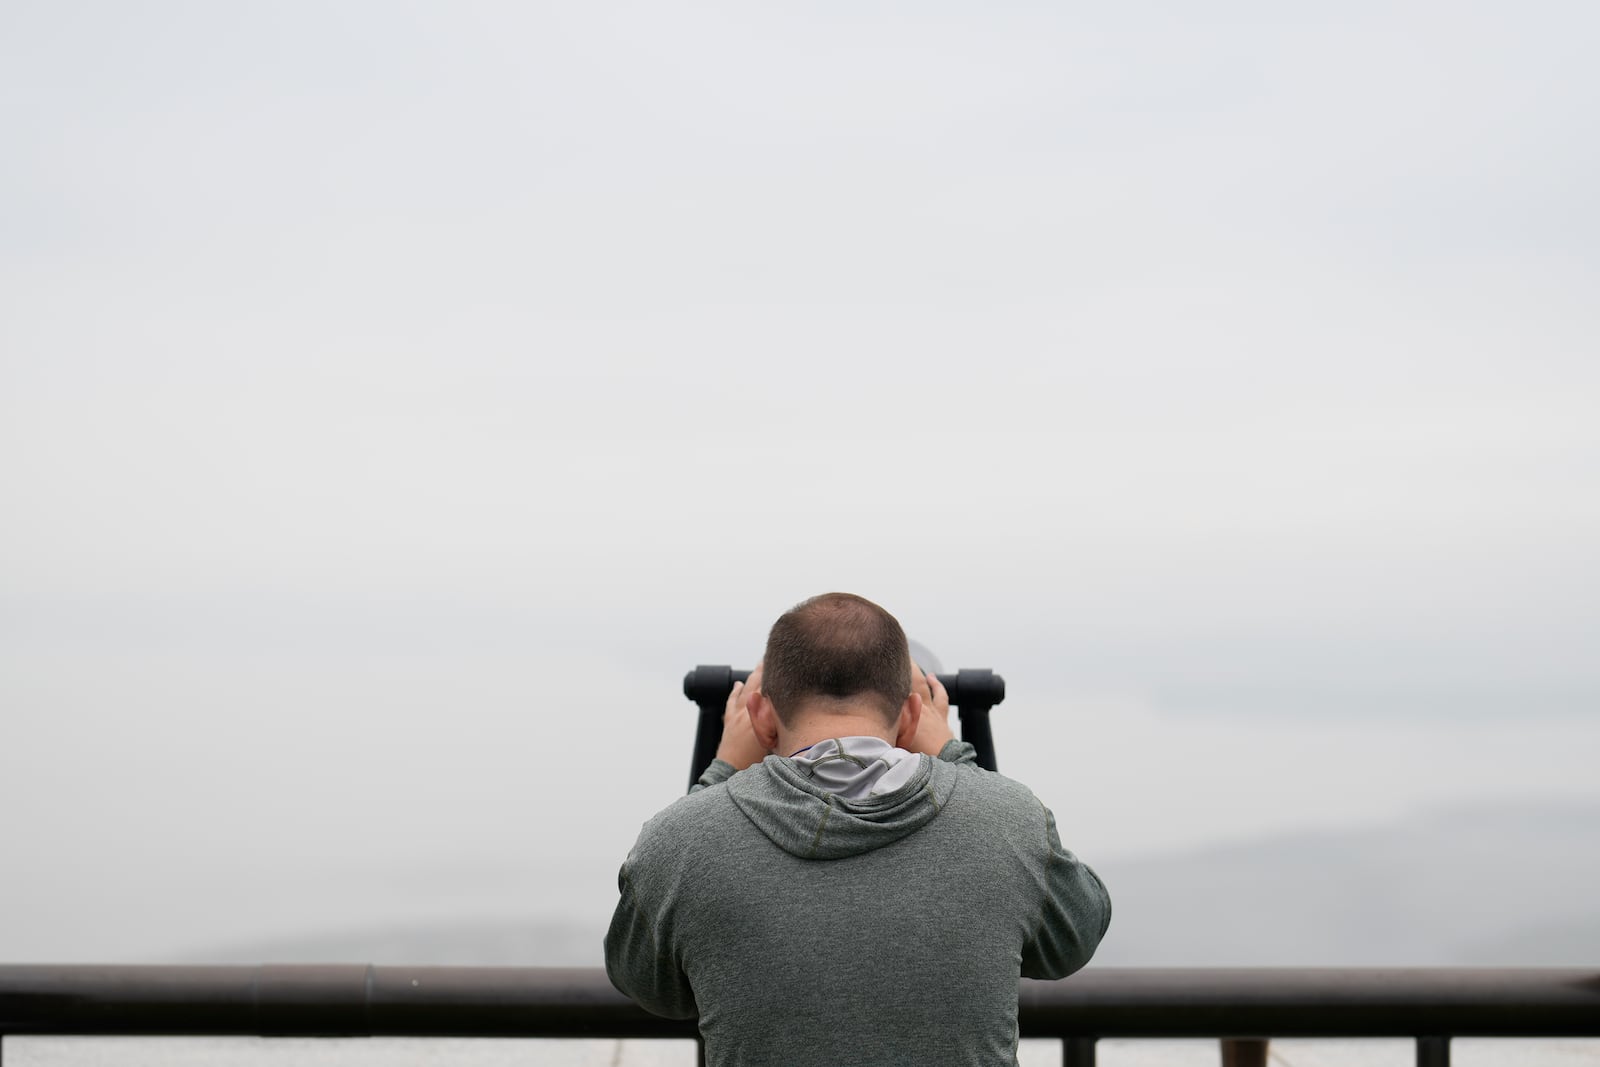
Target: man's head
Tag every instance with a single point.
(837, 648)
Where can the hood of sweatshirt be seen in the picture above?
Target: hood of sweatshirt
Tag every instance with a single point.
(804, 819)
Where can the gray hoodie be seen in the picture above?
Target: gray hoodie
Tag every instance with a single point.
(803, 928)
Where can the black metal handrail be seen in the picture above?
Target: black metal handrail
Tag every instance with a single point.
(1430, 1005)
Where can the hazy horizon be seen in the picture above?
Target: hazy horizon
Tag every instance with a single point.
(396, 400)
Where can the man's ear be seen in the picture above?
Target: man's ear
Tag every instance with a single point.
(764, 720)
(906, 727)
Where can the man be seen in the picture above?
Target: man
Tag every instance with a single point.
(845, 885)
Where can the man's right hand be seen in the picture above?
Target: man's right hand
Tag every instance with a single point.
(933, 729)
(739, 746)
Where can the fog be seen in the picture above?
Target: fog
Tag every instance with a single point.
(397, 399)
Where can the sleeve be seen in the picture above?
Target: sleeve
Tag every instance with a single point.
(1074, 916)
(957, 751)
(716, 772)
(638, 963)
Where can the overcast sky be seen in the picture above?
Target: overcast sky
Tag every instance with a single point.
(397, 398)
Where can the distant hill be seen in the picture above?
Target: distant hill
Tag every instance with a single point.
(1481, 886)
(495, 943)
(1489, 886)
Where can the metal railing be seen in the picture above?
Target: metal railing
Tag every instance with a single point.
(1241, 1007)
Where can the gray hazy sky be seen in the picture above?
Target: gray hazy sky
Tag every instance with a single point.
(396, 398)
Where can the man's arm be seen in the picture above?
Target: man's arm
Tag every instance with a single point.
(717, 771)
(1074, 916)
(638, 963)
(739, 747)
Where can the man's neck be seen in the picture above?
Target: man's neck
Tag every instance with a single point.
(810, 727)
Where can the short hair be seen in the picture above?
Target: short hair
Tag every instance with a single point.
(838, 646)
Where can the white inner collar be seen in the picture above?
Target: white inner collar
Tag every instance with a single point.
(855, 768)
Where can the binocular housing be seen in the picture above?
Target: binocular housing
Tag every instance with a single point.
(972, 692)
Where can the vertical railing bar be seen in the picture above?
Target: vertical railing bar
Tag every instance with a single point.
(1244, 1051)
(1433, 1051)
(1078, 1051)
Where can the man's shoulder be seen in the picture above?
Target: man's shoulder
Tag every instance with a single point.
(991, 785)
(686, 821)
(958, 761)
(997, 801)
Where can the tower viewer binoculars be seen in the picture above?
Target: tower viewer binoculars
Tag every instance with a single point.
(973, 692)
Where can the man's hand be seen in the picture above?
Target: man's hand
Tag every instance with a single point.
(933, 729)
(739, 745)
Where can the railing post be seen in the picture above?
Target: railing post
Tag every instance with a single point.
(1244, 1052)
(1433, 1051)
(1077, 1051)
